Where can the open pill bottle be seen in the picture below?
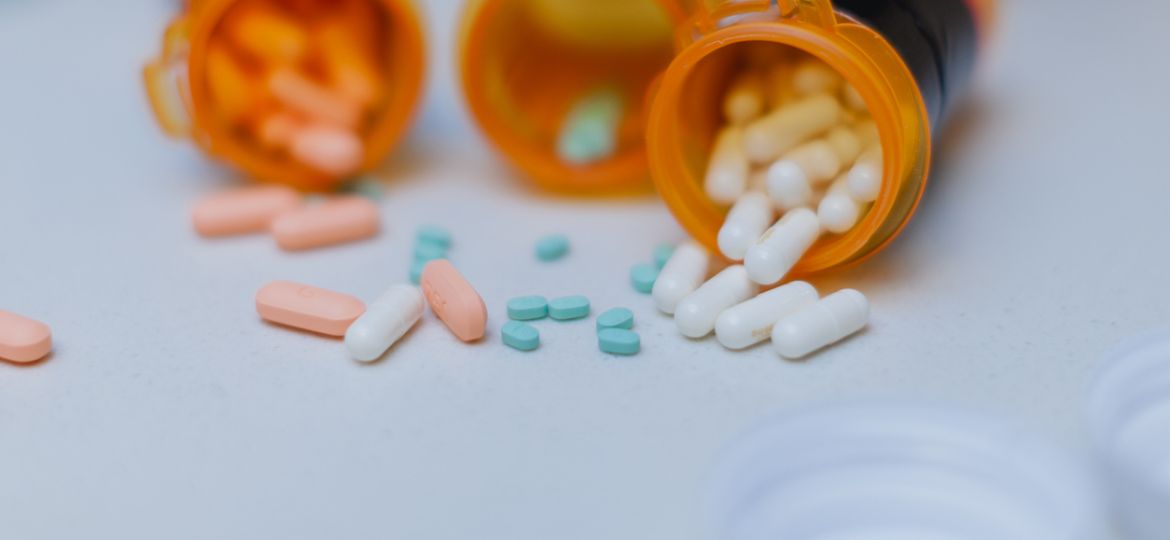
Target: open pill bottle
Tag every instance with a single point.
(907, 60)
(526, 64)
(300, 92)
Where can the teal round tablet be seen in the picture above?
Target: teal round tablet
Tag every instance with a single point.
(520, 336)
(619, 317)
(426, 251)
(643, 276)
(619, 341)
(552, 247)
(527, 308)
(433, 234)
(568, 308)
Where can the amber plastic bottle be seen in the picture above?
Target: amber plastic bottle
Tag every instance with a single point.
(910, 60)
(177, 84)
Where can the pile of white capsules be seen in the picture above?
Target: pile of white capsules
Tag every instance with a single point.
(798, 144)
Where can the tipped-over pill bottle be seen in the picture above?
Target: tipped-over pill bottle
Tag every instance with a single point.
(902, 64)
(301, 92)
(560, 87)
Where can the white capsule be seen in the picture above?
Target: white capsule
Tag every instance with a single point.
(684, 272)
(788, 185)
(865, 178)
(695, 315)
(384, 322)
(817, 158)
(817, 325)
(838, 211)
(769, 136)
(845, 143)
(747, 220)
(779, 249)
(751, 322)
(814, 76)
(728, 169)
(853, 99)
(744, 99)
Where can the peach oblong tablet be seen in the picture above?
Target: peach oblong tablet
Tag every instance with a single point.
(22, 339)
(308, 308)
(454, 300)
(244, 210)
(335, 221)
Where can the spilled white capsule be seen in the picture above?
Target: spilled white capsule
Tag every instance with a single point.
(748, 219)
(865, 178)
(695, 315)
(684, 272)
(837, 210)
(727, 171)
(384, 322)
(782, 246)
(744, 99)
(788, 185)
(769, 136)
(845, 143)
(823, 323)
(751, 322)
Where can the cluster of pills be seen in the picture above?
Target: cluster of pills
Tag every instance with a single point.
(370, 331)
(643, 275)
(614, 326)
(730, 305)
(799, 142)
(299, 79)
(284, 213)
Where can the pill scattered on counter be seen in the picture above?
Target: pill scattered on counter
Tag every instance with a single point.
(696, 313)
(433, 234)
(384, 322)
(426, 251)
(782, 246)
(615, 318)
(751, 322)
(619, 341)
(568, 308)
(527, 308)
(520, 336)
(552, 247)
(454, 300)
(820, 324)
(642, 276)
(337, 220)
(307, 307)
(662, 253)
(23, 340)
(244, 210)
(683, 273)
(416, 269)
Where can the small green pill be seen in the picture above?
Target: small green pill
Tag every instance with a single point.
(425, 251)
(568, 308)
(433, 234)
(416, 269)
(527, 308)
(520, 336)
(552, 247)
(643, 277)
(619, 341)
(618, 317)
(662, 253)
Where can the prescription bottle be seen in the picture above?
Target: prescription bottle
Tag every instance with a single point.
(524, 65)
(909, 60)
(367, 53)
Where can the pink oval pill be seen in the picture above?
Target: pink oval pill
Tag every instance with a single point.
(454, 300)
(244, 210)
(331, 150)
(308, 308)
(23, 339)
(335, 221)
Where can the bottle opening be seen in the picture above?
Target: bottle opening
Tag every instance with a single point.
(560, 86)
(306, 92)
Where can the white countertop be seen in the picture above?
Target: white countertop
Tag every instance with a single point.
(169, 410)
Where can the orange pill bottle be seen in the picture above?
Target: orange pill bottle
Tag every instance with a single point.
(524, 63)
(300, 92)
(909, 60)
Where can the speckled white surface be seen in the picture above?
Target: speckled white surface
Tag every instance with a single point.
(169, 410)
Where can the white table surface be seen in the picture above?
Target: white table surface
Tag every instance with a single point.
(169, 410)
